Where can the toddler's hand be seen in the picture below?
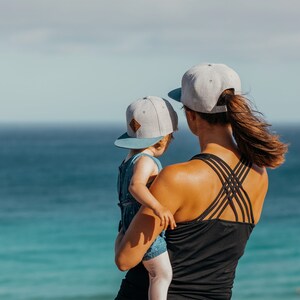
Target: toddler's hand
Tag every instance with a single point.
(166, 217)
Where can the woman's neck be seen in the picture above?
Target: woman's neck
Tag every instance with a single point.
(216, 138)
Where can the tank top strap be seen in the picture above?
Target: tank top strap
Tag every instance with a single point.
(135, 157)
(232, 193)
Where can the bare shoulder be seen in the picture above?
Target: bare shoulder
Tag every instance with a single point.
(177, 187)
(256, 186)
(168, 187)
(261, 175)
(144, 162)
(174, 173)
(183, 174)
(173, 170)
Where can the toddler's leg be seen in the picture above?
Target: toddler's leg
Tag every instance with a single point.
(160, 275)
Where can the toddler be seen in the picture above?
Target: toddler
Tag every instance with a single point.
(150, 124)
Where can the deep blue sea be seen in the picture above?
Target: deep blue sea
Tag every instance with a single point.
(59, 216)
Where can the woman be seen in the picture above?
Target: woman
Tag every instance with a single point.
(216, 197)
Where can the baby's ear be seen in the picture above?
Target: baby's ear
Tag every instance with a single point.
(158, 145)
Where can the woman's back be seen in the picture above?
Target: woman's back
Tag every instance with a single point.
(205, 249)
(204, 257)
(200, 181)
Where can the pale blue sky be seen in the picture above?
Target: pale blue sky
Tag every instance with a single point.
(86, 60)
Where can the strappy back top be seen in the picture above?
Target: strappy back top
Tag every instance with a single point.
(232, 192)
(204, 252)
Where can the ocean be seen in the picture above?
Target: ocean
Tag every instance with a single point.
(59, 215)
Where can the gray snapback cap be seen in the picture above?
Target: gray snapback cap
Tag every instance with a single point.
(148, 120)
(202, 85)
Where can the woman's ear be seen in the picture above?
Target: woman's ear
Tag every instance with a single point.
(190, 114)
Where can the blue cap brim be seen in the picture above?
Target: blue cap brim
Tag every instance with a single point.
(125, 141)
(175, 94)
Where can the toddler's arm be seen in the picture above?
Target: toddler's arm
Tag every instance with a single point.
(144, 171)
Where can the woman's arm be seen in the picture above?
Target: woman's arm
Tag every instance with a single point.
(146, 226)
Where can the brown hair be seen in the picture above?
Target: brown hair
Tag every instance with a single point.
(165, 140)
(250, 130)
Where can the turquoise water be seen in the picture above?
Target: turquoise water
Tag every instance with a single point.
(58, 216)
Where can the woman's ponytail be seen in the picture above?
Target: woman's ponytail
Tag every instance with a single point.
(252, 133)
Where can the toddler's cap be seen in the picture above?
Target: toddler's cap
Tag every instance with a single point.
(202, 85)
(148, 119)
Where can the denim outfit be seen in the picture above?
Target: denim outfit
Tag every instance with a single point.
(129, 206)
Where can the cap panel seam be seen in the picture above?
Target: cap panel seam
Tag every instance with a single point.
(160, 131)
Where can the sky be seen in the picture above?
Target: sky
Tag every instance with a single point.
(87, 60)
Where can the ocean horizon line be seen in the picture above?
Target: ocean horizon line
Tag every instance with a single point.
(112, 124)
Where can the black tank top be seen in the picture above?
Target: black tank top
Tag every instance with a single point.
(204, 252)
